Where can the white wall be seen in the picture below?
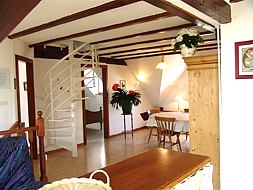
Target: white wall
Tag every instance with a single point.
(236, 127)
(162, 86)
(116, 73)
(8, 102)
(23, 93)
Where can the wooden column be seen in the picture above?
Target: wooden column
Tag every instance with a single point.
(204, 110)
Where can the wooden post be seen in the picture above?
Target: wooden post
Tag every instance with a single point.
(41, 134)
(204, 110)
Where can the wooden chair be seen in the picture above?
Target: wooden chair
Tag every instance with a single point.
(145, 116)
(16, 166)
(154, 110)
(166, 129)
(186, 110)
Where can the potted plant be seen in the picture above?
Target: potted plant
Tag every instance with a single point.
(187, 41)
(125, 99)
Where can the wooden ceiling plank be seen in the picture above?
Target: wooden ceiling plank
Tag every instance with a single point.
(218, 10)
(166, 53)
(79, 15)
(107, 28)
(169, 7)
(137, 49)
(12, 12)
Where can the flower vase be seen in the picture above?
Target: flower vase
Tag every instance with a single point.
(187, 52)
(127, 108)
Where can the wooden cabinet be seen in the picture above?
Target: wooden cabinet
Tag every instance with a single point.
(204, 110)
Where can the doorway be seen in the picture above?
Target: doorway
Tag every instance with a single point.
(25, 95)
(105, 111)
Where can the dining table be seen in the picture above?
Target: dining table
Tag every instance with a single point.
(182, 120)
(159, 169)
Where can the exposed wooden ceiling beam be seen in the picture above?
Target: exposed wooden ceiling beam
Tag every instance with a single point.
(144, 33)
(235, 1)
(138, 49)
(169, 7)
(73, 17)
(123, 56)
(145, 42)
(51, 52)
(106, 28)
(218, 10)
(12, 12)
(157, 51)
(167, 53)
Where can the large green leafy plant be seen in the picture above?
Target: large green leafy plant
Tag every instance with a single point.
(120, 97)
(188, 37)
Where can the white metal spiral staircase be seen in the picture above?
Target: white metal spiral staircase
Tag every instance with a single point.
(62, 86)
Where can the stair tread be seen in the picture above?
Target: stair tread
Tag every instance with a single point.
(61, 119)
(59, 128)
(65, 110)
(60, 136)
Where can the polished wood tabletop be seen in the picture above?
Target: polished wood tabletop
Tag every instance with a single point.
(155, 169)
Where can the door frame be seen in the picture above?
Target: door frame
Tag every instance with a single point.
(105, 105)
(31, 97)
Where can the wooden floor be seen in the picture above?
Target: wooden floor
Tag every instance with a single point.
(100, 153)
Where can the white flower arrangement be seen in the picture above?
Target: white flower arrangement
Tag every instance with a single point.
(188, 37)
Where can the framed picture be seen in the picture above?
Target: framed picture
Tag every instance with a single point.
(244, 60)
(122, 84)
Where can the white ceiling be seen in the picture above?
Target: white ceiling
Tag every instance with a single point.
(49, 10)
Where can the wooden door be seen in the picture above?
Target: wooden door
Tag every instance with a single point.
(30, 92)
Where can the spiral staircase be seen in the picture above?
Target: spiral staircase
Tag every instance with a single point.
(63, 85)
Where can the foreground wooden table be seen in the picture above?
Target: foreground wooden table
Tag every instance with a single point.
(156, 169)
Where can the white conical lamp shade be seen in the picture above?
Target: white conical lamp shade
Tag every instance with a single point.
(161, 65)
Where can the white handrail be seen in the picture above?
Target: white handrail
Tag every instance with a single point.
(65, 57)
(65, 69)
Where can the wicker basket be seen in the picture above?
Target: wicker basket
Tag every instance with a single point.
(80, 183)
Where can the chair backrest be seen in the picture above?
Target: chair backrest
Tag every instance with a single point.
(165, 125)
(186, 110)
(144, 115)
(14, 146)
(155, 110)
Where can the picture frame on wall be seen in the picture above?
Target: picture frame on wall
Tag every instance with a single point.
(244, 60)
(122, 84)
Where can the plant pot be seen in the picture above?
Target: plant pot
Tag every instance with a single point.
(127, 108)
(187, 52)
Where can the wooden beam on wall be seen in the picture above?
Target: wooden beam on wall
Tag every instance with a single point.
(169, 7)
(12, 12)
(79, 15)
(107, 28)
(218, 10)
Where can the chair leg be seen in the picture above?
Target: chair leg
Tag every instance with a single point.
(150, 134)
(163, 141)
(178, 142)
